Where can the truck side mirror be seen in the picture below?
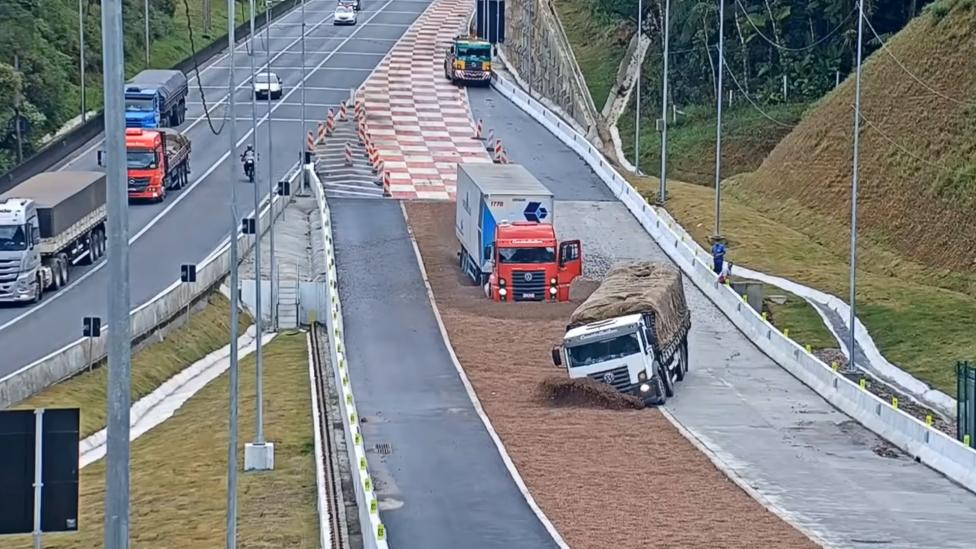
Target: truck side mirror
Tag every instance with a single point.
(101, 153)
(557, 357)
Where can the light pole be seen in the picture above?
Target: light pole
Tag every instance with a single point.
(258, 277)
(81, 56)
(271, 219)
(116, 534)
(146, 21)
(854, 181)
(304, 121)
(235, 220)
(718, 123)
(640, 34)
(664, 105)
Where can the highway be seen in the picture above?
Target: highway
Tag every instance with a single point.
(824, 471)
(191, 223)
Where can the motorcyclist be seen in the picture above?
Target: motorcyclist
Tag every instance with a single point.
(248, 154)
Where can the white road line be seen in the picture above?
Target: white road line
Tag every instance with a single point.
(185, 193)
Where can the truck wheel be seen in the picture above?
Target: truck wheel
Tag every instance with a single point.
(682, 360)
(665, 376)
(39, 292)
(65, 275)
(56, 276)
(660, 392)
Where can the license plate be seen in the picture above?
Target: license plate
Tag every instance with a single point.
(528, 296)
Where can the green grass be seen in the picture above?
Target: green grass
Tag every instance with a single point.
(921, 328)
(747, 137)
(599, 45)
(178, 469)
(207, 331)
(799, 317)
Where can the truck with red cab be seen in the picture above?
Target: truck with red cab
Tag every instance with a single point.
(157, 161)
(504, 224)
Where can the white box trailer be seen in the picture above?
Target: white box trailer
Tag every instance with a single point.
(491, 194)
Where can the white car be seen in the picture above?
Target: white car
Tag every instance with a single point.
(267, 84)
(345, 14)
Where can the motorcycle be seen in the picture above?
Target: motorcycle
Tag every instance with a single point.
(249, 169)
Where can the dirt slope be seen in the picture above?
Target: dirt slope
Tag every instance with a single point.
(918, 168)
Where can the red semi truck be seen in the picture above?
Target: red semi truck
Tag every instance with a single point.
(508, 242)
(158, 160)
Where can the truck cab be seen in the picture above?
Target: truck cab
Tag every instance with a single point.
(141, 107)
(468, 59)
(531, 265)
(20, 256)
(617, 352)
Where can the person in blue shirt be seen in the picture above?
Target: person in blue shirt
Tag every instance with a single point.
(718, 256)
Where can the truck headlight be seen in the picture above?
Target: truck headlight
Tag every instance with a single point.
(552, 281)
(645, 388)
(502, 292)
(552, 290)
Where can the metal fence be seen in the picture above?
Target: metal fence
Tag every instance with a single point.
(966, 407)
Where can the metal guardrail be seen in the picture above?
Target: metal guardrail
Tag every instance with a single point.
(373, 530)
(144, 320)
(925, 444)
(61, 147)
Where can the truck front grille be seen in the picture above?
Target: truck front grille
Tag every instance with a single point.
(620, 381)
(528, 285)
(138, 183)
(9, 268)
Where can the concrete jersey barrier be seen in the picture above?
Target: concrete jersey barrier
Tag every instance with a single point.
(373, 530)
(75, 357)
(927, 445)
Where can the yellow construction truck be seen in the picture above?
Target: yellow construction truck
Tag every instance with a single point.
(468, 60)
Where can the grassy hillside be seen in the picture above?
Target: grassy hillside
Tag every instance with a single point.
(918, 149)
(599, 44)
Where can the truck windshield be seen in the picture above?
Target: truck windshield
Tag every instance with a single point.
(139, 105)
(13, 238)
(470, 52)
(140, 159)
(600, 351)
(526, 255)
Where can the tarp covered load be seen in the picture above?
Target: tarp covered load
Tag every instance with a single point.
(640, 287)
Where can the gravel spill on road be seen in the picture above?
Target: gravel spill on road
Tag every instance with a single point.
(606, 478)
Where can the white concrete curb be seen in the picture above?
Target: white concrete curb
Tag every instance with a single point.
(476, 402)
(321, 501)
(925, 444)
(374, 532)
(160, 405)
(74, 357)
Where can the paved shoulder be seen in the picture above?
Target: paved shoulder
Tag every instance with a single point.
(441, 480)
(823, 470)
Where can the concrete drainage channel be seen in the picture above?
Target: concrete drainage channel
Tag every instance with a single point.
(923, 443)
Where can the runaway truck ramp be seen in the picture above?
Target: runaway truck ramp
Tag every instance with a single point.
(441, 481)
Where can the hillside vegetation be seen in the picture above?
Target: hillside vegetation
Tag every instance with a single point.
(42, 36)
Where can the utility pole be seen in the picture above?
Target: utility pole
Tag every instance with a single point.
(301, 142)
(146, 21)
(81, 55)
(640, 34)
(119, 340)
(20, 138)
(235, 219)
(718, 123)
(664, 105)
(854, 181)
(531, 36)
(271, 220)
(207, 19)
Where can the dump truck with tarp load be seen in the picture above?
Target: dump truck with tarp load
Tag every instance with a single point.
(631, 332)
(48, 224)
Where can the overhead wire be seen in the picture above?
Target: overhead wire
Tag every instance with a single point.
(750, 100)
(196, 70)
(775, 44)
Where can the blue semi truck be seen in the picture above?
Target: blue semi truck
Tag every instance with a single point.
(156, 98)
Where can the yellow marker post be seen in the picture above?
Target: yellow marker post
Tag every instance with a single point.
(786, 332)
(367, 484)
(965, 440)
(362, 464)
(928, 420)
(834, 365)
(380, 531)
(894, 402)
(744, 297)
(373, 506)
(765, 315)
(809, 348)
(863, 383)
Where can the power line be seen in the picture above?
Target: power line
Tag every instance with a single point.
(196, 69)
(788, 48)
(910, 73)
(899, 146)
(751, 102)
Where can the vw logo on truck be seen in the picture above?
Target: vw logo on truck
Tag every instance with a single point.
(528, 277)
(608, 377)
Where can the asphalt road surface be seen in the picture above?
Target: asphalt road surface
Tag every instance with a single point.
(192, 223)
(822, 469)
